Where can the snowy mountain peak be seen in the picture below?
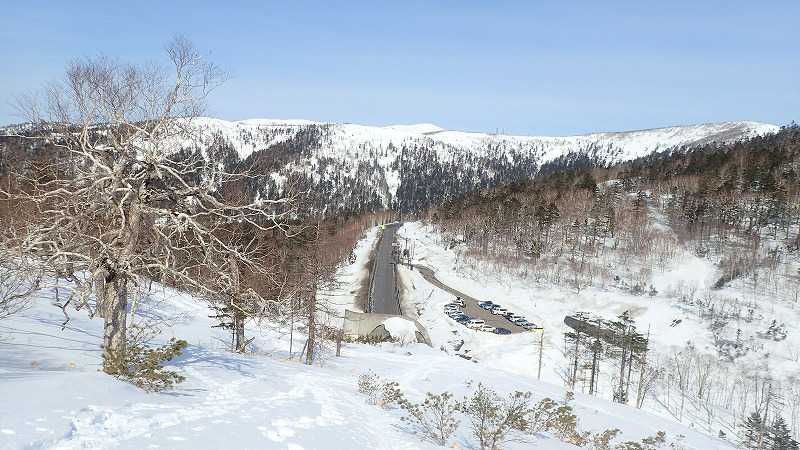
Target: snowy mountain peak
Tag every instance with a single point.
(418, 128)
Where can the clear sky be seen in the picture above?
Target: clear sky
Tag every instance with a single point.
(526, 67)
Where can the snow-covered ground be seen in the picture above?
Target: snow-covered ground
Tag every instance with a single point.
(547, 305)
(53, 396)
(669, 317)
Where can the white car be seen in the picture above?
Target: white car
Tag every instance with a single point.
(499, 311)
(487, 328)
(475, 324)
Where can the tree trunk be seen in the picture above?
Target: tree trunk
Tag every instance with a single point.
(238, 331)
(312, 309)
(115, 315)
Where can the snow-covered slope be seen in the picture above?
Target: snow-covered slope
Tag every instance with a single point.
(256, 134)
(415, 166)
(53, 396)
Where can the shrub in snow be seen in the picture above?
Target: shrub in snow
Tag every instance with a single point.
(600, 441)
(496, 420)
(143, 366)
(369, 340)
(550, 416)
(380, 392)
(435, 417)
(390, 395)
(649, 443)
(370, 385)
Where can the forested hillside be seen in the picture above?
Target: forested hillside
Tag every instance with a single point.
(649, 229)
(348, 169)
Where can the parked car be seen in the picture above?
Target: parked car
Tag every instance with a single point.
(499, 311)
(486, 305)
(528, 325)
(500, 330)
(459, 301)
(519, 321)
(475, 324)
(487, 328)
(463, 319)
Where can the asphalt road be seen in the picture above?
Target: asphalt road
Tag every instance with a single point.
(385, 293)
(471, 307)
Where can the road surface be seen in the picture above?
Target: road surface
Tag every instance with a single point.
(471, 307)
(385, 293)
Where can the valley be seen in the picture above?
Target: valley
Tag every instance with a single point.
(472, 226)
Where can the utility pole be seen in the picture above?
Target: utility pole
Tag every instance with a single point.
(541, 347)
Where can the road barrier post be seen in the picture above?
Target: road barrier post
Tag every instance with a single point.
(541, 347)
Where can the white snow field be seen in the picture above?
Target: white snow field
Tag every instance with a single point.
(53, 396)
(671, 323)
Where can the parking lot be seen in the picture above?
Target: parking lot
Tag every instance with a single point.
(471, 307)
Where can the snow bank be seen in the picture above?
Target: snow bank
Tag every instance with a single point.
(401, 329)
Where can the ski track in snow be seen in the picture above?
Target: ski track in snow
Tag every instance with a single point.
(244, 401)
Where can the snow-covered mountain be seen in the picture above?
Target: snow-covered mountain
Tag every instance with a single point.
(349, 168)
(413, 166)
(249, 136)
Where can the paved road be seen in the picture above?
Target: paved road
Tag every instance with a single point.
(385, 294)
(471, 304)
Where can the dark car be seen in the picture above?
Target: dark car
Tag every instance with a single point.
(462, 319)
(486, 305)
(499, 330)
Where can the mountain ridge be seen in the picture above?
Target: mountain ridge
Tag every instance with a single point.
(351, 168)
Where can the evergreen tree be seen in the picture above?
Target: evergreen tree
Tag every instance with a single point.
(752, 431)
(779, 437)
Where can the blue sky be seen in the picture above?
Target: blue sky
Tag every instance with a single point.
(521, 67)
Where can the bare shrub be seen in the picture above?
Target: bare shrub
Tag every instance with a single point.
(550, 416)
(18, 281)
(496, 420)
(435, 417)
(379, 391)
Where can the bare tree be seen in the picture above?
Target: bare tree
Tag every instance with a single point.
(129, 197)
(18, 282)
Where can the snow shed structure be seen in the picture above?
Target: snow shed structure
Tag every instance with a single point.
(371, 325)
